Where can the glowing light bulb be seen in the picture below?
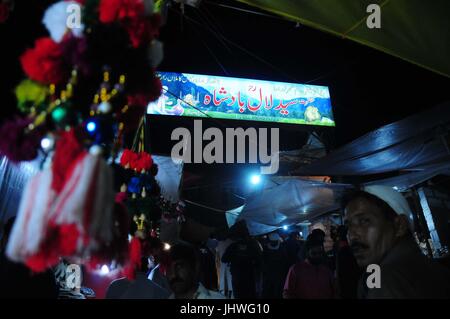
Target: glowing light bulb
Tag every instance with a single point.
(46, 143)
(255, 179)
(104, 270)
(91, 126)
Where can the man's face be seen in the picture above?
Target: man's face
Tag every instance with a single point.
(181, 276)
(370, 233)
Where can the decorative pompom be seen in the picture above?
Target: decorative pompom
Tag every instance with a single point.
(128, 158)
(16, 143)
(68, 148)
(29, 94)
(44, 63)
(144, 162)
(134, 186)
(56, 18)
(121, 197)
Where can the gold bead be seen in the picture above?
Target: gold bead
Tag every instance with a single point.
(121, 125)
(125, 108)
(122, 79)
(106, 77)
(91, 113)
(52, 89)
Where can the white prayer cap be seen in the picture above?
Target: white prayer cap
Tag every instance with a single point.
(393, 198)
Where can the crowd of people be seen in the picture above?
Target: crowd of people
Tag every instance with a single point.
(377, 231)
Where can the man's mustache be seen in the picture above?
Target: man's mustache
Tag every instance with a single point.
(358, 245)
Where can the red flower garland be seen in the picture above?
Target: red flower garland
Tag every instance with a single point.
(112, 10)
(131, 13)
(44, 63)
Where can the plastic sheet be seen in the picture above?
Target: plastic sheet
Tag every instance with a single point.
(291, 203)
(13, 178)
(409, 144)
(169, 177)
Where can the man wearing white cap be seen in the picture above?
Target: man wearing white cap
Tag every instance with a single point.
(379, 232)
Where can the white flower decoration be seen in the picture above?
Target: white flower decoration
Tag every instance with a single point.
(62, 17)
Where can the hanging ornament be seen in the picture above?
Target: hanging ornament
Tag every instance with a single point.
(59, 115)
(104, 107)
(47, 143)
(96, 150)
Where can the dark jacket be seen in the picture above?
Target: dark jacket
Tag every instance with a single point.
(407, 274)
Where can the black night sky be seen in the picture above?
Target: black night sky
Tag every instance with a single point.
(368, 88)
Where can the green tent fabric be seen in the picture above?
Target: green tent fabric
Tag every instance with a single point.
(415, 30)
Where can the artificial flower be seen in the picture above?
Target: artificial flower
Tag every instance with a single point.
(44, 63)
(29, 94)
(56, 20)
(17, 143)
(113, 10)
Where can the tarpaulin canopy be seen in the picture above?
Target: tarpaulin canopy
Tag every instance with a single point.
(169, 176)
(406, 181)
(414, 143)
(290, 203)
(414, 30)
(416, 147)
(296, 200)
